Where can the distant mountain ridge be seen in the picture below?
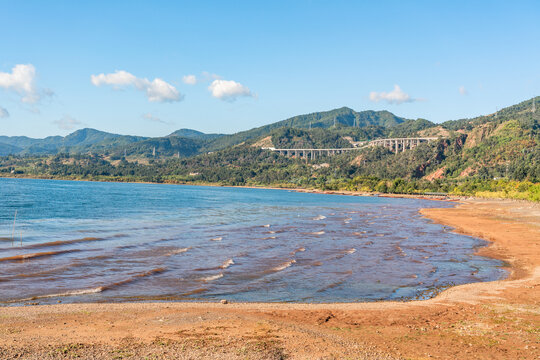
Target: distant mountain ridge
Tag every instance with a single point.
(82, 140)
(338, 124)
(92, 140)
(343, 116)
(194, 134)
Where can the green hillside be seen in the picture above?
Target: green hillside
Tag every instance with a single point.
(344, 117)
(194, 134)
(95, 141)
(492, 155)
(23, 142)
(169, 146)
(80, 141)
(6, 149)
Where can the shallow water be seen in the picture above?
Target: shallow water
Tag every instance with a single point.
(91, 242)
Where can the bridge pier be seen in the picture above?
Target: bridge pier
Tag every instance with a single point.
(395, 145)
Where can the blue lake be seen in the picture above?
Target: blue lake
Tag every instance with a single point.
(94, 242)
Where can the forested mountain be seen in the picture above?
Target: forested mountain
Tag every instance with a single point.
(6, 149)
(343, 118)
(170, 146)
(84, 140)
(365, 124)
(194, 134)
(24, 142)
(496, 154)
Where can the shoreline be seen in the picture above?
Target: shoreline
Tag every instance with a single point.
(496, 320)
(264, 187)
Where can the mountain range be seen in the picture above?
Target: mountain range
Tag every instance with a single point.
(186, 142)
(329, 128)
(492, 155)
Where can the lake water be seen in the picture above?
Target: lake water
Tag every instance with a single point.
(94, 242)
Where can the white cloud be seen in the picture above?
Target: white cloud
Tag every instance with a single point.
(189, 79)
(156, 90)
(153, 118)
(22, 80)
(119, 78)
(396, 96)
(3, 113)
(228, 90)
(67, 123)
(462, 90)
(161, 91)
(207, 76)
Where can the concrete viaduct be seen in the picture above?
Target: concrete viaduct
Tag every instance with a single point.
(395, 145)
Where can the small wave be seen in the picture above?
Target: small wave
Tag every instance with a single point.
(219, 238)
(36, 255)
(298, 250)
(196, 291)
(96, 289)
(124, 247)
(67, 293)
(266, 226)
(331, 286)
(335, 284)
(345, 252)
(400, 251)
(320, 217)
(268, 238)
(61, 242)
(46, 272)
(271, 232)
(227, 263)
(348, 219)
(317, 233)
(134, 278)
(98, 257)
(177, 251)
(211, 278)
(284, 265)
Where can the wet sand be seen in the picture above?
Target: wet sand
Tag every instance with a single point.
(495, 320)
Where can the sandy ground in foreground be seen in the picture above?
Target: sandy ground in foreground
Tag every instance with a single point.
(496, 320)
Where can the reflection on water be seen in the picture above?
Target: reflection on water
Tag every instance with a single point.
(84, 241)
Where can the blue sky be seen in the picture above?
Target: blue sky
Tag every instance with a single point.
(257, 62)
